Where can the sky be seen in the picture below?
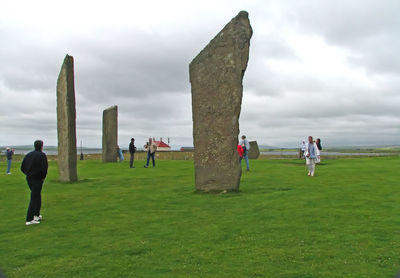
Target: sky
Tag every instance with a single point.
(330, 69)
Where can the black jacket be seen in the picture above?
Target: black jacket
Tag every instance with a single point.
(34, 165)
(9, 154)
(132, 148)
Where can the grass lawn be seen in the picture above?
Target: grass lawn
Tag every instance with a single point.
(121, 222)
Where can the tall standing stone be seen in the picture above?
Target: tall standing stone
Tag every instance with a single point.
(216, 76)
(110, 134)
(254, 151)
(66, 122)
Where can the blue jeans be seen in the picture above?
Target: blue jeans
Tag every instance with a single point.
(246, 158)
(8, 165)
(121, 157)
(152, 157)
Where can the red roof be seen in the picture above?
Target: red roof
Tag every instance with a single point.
(161, 144)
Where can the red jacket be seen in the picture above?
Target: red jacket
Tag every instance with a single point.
(240, 150)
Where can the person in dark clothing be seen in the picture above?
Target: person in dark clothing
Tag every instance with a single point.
(318, 142)
(319, 146)
(34, 166)
(9, 155)
(132, 150)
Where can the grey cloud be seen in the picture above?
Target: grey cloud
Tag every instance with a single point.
(348, 21)
(379, 54)
(145, 72)
(370, 29)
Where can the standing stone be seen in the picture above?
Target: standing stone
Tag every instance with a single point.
(216, 78)
(66, 122)
(254, 151)
(110, 134)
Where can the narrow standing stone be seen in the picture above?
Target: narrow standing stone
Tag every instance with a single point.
(66, 122)
(216, 76)
(110, 134)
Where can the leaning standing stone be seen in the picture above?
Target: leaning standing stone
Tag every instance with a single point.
(66, 122)
(110, 134)
(216, 76)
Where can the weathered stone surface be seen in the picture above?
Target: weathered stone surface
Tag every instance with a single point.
(216, 78)
(254, 151)
(110, 134)
(66, 122)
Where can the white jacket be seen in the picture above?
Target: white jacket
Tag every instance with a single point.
(246, 143)
(316, 151)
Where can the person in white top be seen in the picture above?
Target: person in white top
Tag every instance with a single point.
(311, 155)
(303, 148)
(246, 147)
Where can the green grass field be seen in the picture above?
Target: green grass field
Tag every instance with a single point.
(121, 222)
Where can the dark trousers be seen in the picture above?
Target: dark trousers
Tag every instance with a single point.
(152, 157)
(36, 199)
(131, 160)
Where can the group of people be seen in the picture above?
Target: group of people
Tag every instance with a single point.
(150, 147)
(311, 152)
(35, 167)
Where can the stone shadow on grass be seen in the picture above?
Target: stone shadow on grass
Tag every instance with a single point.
(88, 180)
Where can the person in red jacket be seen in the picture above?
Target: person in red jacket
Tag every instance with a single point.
(240, 151)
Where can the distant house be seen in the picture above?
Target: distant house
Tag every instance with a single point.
(187, 149)
(162, 146)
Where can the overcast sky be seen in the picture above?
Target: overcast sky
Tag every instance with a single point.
(325, 68)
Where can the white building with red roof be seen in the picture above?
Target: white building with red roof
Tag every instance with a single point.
(161, 145)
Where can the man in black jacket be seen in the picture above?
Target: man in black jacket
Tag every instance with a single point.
(9, 155)
(132, 150)
(34, 166)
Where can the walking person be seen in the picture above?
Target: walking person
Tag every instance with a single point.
(9, 155)
(120, 154)
(151, 151)
(311, 155)
(246, 147)
(319, 146)
(132, 150)
(34, 166)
